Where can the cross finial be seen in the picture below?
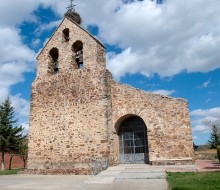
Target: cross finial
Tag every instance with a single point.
(72, 14)
(71, 7)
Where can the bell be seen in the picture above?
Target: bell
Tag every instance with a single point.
(66, 38)
(56, 68)
(79, 57)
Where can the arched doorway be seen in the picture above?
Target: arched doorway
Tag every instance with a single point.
(133, 143)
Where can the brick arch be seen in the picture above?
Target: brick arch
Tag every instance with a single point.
(123, 118)
(142, 115)
(77, 45)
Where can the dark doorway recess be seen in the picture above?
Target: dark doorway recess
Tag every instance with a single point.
(133, 141)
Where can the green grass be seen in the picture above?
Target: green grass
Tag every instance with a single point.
(194, 181)
(10, 172)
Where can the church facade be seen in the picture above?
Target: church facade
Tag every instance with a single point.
(83, 121)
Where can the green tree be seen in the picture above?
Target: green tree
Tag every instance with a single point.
(10, 135)
(15, 142)
(214, 139)
(23, 152)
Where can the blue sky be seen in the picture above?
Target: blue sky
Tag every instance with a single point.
(170, 48)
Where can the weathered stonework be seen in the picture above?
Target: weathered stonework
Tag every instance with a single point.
(76, 113)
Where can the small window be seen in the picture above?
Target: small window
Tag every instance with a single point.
(66, 34)
(78, 50)
(54, 54)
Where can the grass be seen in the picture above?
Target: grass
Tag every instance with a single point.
(194, 181)
(10, 172)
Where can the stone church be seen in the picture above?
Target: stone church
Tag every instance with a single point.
(81, 119)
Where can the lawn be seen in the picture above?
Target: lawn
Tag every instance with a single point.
(194, 181)
(10, 172)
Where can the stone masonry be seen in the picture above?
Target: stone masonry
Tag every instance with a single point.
(76, 113)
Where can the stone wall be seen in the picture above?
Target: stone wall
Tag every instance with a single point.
(167, 120)
(68, 121)
(76, 113)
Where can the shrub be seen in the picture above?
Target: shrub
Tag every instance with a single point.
(218, 152)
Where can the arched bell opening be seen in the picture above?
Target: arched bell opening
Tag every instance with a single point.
(54, 64)
(66, 34)
(77, 48)
(133, 142)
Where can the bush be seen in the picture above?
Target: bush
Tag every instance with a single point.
(218, 152)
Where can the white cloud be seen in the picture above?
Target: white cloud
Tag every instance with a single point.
(4, 92)
(36, 42)
(45, 42)
(21, 105)
(151, 36)
(167, 39)
(26, 128)
(207, 112)
(16, 59)
(195, 138)
(22, 111)
(164, 92)
(115, 62)
(47, 26)
(205, 84)
(201, 129)
(203, 119)
(158, 39)
(12, 48)
(11, 14)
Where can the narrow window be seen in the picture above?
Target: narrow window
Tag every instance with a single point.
(66, 34)
(78, 50)
(54, 54)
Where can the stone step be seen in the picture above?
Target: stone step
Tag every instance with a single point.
(126, 172)
(99, 180)
(142, 176)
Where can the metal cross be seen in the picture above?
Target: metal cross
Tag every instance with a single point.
(71, 7)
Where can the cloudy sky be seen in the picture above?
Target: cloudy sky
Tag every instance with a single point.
(171, 48)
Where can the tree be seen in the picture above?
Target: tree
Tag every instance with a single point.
(24, 153)
(15, 142)
(214, 139)
(10, 135)
(6, 123)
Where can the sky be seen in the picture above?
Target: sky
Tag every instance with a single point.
(167, 47)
